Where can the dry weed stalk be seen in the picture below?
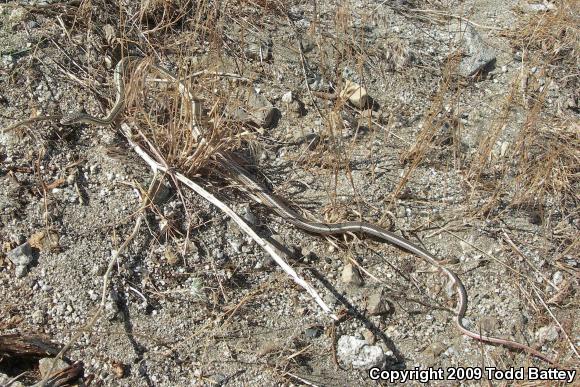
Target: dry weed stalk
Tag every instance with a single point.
(433, 121)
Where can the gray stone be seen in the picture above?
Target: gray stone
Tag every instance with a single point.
(540, 7)
(358, 354)
(477, 53)
(376, 304)
(20, 271)
(38, 317)
(351, 276)
(21, 257)
(45, 364)
(261, 111)
(313, 332)
(547, 333)
(287, 97)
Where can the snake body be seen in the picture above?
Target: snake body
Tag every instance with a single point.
(239, 174)
(81, 117)
(369, 229)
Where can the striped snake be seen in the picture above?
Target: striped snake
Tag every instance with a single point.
(254, 189)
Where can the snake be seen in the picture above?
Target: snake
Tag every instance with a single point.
(78, 117)
(261, 195)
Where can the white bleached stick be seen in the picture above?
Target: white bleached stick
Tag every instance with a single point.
(155, 166)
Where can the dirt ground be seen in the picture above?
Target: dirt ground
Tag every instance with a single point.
(467, 142)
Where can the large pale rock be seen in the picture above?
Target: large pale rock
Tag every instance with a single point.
(358, 354)
(355, 94)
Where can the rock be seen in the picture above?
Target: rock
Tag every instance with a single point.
(261, 111)
(4, 379)
(376, 304)
(369, 336)
(259, 49)
(541, 7)
(557, 278)
(358, 354)
(355, 94)
(434, 350)
(17, 15)
(44, 240)
(110, 34)
(351, 276)
(45, 364)
(21, 257)
(287, 97)
(313, 332)
(547, 333)
(477, 53)
(258, 111)
(38, 317)
(220, 379)
(249, 216)
(292, 104)
(119, 369)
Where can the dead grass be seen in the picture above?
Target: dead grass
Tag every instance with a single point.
(539, 169)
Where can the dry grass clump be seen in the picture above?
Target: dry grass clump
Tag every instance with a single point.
(548, 165)
(168, 119)
(552, 37)
(539, 168)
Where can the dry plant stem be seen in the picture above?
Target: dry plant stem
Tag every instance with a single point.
(519, 252)
(106, 277)
(303, 63)
(301, 380)
(459, 17)
(206, 72)
(15, 379)
(557, 323)
(239, 221)
(27, 121)
(508, 267)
